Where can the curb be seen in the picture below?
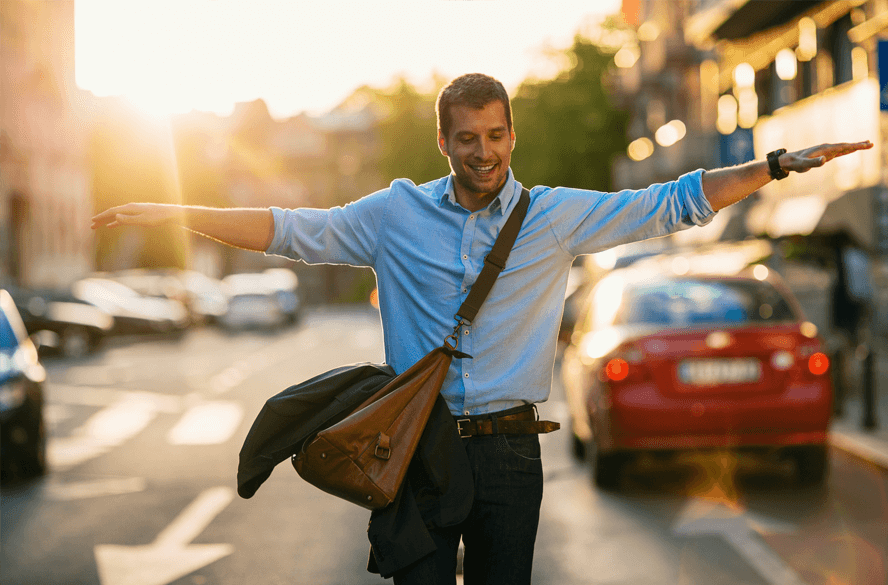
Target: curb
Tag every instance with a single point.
(864, 448)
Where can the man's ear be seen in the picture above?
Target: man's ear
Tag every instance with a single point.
(442, 144)
(512, 138)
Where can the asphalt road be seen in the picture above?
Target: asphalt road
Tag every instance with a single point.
(143, 453)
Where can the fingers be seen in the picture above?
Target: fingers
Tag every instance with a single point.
(113, 217)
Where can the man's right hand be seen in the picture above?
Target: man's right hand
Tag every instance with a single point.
(250, 229)
(142, 214)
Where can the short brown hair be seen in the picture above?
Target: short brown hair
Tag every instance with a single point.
(475, 90)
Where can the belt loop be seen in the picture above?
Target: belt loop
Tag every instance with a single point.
(536, 412)
(495, 427)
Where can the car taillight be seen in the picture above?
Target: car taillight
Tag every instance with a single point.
(616, 370)
(818, 364)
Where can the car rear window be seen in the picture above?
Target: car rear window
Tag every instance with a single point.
(691, 302)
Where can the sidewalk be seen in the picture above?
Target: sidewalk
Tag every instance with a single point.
(847, 432)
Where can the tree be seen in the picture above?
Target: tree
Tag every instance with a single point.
(568, 131)
(407, 133)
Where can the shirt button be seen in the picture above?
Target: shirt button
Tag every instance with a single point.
(466, 412)
(471, 217)
(465, 290)
(466, 375)
(465, 256)
(466, 332)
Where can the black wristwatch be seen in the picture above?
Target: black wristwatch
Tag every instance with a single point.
(777, 172)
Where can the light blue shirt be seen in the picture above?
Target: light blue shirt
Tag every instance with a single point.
(427, 250)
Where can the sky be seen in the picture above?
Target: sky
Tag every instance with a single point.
(171, 56)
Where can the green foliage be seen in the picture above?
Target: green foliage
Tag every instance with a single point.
(568, 131)
(407, 135)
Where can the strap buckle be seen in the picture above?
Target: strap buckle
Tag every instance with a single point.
(455, 335)
(459, 427)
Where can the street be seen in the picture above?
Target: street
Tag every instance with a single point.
(144, 439)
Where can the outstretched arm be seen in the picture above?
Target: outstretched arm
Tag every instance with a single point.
(250, 229)
(724, 187)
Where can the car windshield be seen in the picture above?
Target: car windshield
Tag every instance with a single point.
(690, 302)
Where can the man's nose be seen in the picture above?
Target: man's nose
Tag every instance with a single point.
(483, 150)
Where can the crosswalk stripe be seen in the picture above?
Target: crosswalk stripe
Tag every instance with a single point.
(208, 423)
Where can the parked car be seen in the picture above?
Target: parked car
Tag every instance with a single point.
(22, 430)
(60, 323)
(663, 363)
(207, 300)
(132, 312)
(261, 299)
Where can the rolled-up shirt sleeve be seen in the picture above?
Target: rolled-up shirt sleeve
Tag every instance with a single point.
(340, 235)
(585, 222)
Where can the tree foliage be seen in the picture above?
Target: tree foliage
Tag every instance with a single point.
(407, 135)
(568, 131)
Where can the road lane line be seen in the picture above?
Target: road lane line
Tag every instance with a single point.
(170, 556)
(209, 423)
(736, 527)
(106, 429)
(79, 490)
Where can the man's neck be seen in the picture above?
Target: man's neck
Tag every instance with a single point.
(471, 200)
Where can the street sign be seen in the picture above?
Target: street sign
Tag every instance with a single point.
(883, 75)
(736, 148)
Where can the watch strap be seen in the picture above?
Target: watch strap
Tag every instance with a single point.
(777, 172)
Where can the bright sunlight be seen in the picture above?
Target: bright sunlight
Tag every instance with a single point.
(174, 56)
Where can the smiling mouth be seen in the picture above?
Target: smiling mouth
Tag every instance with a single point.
(483, 170)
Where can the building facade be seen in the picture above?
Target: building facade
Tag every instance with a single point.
(757, 76)
(45, 196)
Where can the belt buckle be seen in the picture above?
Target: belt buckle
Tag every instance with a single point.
(459, 424)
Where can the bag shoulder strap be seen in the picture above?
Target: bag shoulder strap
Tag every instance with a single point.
(495, 261)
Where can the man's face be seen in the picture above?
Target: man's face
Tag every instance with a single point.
(479, 146)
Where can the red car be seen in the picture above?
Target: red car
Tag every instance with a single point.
(661, 363)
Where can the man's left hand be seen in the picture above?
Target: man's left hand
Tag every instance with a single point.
(801, 161)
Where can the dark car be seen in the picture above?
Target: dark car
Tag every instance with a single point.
(22, 431)
(664, 363)
(61, 323)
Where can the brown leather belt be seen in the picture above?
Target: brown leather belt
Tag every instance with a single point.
(520, 423)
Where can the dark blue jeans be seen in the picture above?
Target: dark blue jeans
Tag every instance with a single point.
(500, 531)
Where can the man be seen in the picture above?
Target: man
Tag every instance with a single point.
(427, 244)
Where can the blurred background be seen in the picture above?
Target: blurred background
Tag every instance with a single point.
(224, 103)
(105, 103)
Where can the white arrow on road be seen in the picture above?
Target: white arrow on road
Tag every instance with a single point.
(706, 517)
(170, 556)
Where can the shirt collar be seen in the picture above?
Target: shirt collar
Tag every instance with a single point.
(502, 202)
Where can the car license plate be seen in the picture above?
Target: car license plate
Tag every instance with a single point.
(720, 371)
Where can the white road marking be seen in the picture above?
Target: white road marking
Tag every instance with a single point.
(705, 517)
(366, 338)
(169, 557)
(209, 423)
(93, 396)
(79, 490)
(108, 428)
